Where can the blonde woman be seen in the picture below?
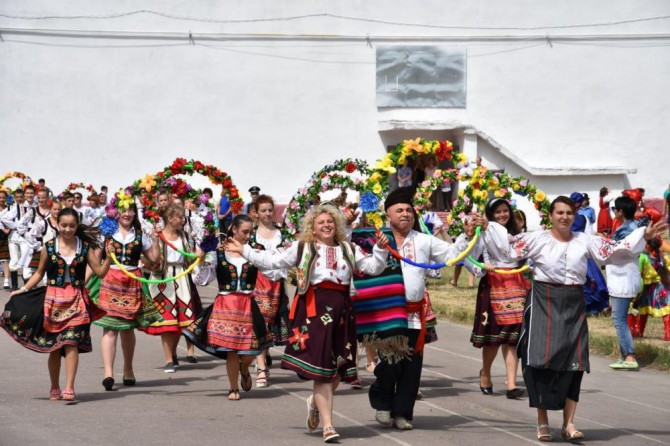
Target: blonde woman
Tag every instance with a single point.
(323, 343)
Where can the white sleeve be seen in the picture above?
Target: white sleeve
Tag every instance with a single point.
(607, 251)
(372, 264)
(441, 251)
(268, 260)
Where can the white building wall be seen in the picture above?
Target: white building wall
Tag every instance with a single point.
(272, 109)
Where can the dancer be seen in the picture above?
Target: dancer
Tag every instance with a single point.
(653, 300)
(269, 295)
(233, 327)
(18, 248)
(604, 216)
(57, 319)
(500, 299)
(398, 373)
(125, 300)
(4, 239)
(553, 345)
(178, 300)
(323, 338)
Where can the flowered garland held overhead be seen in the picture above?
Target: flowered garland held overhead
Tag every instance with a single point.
(343, 174)
(378, 182)
(74, 186)
(25, 181)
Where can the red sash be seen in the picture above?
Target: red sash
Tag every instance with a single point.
(311, 301)
(419, 307)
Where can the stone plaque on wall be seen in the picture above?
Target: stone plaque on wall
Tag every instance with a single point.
(420, 76)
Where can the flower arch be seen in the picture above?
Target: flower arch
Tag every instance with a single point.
(74, 186)
(25, 180)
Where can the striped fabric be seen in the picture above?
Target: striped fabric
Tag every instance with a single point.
(65, 308)
(4, 249)
(380, 305)
(508, 297)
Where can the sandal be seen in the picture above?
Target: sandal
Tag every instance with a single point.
(55, 395)
(245, 381)
(234, 395)
(329, 434)
(544, 437)
(312, 415)
(262, 381)
(68, 395)
(575, 435)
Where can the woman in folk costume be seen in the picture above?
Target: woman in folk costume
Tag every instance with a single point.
(270, 295)
(604, 214)
(178, 300)
(57, 319)
(323, 342)
(500, 299)
(554, 339)
(125, 300)
(233, 328)
(653, 300)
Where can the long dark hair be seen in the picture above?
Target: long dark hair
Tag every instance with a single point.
(237, 222)
(493, 204)
(86, 233)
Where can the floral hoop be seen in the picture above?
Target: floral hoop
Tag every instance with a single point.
(378, 182)
(74, 186)
(148, 187)
(25, 181)
(338, 175)
(483, 183)
(425, 190)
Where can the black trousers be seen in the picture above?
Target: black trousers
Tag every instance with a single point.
(397, 383)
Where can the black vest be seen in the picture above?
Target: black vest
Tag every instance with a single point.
(128, 254)
(226, 274)
(56, 265)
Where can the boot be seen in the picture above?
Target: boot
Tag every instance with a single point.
(632, 324)
(642, 324)
(15, 280)
(666, 326)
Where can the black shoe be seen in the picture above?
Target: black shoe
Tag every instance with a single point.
(191, 359)
(108, 383)
(514, 393)
(485, 390)
(175, 361)
(128, 381)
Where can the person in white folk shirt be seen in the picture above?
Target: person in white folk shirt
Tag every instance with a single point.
(18, 248)
(553, 346)
(394, 392)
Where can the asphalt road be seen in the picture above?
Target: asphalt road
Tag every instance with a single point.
(191, 407)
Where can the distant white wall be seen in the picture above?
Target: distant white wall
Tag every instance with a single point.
(270, 111)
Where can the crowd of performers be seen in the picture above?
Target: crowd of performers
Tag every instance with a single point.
(350, 291)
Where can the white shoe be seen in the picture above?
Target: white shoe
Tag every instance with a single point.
(6, 284)
(383, 417)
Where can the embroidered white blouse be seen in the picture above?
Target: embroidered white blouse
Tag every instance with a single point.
(329, 265)
(565, 262)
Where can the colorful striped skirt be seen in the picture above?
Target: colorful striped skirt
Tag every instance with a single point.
(178, 302)
(4, 249)
(46, 319)
(273, 303)
(653, 300)
(499, 309)
(233, 323)
(125, 300)
(324, 346)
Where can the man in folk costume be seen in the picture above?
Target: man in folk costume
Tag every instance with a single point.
(398, 373)
(18, 248)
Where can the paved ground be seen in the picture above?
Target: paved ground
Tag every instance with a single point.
(190, 406)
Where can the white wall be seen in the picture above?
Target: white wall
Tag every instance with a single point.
(271, 111)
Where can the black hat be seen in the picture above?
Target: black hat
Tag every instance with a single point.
(400, 195)
(254, 189)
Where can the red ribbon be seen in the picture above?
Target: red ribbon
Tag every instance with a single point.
(310, 298)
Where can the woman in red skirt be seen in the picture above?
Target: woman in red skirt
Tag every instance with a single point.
(323, 343)
(64, 326)
(233, 328)
(500, 300)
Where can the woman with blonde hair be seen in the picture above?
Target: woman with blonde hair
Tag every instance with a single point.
(323, 343)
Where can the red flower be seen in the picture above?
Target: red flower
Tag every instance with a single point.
(198, 166)
(444, 151)
(177, 165)
(237, 206)
(350, 167)
(227, 183)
